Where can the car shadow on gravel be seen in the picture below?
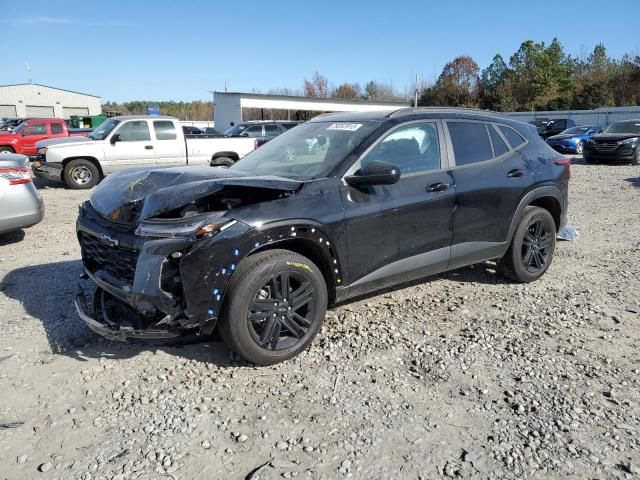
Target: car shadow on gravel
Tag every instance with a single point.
(47, 291)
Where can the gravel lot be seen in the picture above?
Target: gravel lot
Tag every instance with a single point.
(462, 375)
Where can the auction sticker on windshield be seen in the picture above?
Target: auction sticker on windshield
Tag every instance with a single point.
(349, 127)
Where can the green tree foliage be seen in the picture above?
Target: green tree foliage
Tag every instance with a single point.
(197, 110)
(538, 76)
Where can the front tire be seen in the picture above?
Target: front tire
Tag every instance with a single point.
(274, 308)
(580, 147)
(636, 157)
(532, 246)
(6, 149)
(81, 174)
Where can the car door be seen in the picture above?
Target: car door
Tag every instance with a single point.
(490, 177)
(400, 231)
(130, 145)
(34, 132)
(169, 150)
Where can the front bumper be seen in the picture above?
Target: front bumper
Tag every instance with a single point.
(621, 153)
(47, 170)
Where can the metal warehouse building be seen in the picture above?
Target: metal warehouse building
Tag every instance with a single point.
(34, 100)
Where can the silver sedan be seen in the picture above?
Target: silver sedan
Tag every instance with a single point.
(21, 205)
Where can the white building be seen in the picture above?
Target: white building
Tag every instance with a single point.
(34, 100)
(229, 105)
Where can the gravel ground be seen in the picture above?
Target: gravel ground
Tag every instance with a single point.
(462, 375)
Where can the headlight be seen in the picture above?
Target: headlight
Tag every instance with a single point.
(629, 141)
(202, 229)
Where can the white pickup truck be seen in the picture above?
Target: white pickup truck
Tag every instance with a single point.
(132, 141)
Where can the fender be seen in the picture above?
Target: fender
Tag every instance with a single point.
(530, 196)
(208, 268)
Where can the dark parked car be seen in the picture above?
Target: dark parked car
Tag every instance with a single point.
(540, 123)
(262, 130)
(211, 132)
(619, 142)
(261, 248)
(573, 139)
(189, 130)
(554, 127)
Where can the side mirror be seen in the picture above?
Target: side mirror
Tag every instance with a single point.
(375, 173)
(115, 138)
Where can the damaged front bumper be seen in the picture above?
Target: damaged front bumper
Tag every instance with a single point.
(152, 288)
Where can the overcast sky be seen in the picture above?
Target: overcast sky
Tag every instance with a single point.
(179, 50)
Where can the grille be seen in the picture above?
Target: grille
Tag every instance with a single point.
(606, 147)
(116, 261)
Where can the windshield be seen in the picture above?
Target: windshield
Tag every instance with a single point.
(19, 127)
(235, 130)
(308, 151)
(104, 129)
(623, 127)
(577, 130)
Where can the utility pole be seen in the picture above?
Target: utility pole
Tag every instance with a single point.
(29, 72)
(415, 101)
(213, 97)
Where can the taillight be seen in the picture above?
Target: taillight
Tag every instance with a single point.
(16, 176)
(564, 162)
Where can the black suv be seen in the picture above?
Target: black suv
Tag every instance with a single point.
(262, 130)
(261, 248)
(619, 142)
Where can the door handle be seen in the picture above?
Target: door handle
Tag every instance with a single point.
(148, 147)
(437, 187)
(516, 173)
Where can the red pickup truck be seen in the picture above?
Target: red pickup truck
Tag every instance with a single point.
(23, 138)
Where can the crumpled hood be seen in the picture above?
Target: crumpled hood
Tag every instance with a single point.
(133, 195)
(63, 141)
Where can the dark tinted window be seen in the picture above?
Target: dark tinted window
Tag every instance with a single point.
(135, 131)
(470, 142)
(499, 147)
(413, 148)
(36, 129)
(271, 130)
(165, 130)
(513, 137)
(56, 128)
(254, 131)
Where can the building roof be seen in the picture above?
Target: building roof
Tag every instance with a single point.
(297, 98)
(47, 86)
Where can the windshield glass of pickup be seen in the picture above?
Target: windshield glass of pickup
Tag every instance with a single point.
(104, 129)
(308, 151)
(623, 127)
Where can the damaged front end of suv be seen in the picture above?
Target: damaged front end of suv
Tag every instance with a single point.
(160, 246)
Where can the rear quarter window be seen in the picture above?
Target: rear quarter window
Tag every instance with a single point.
(513, 137)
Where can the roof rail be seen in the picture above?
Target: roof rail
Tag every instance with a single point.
(412, 110)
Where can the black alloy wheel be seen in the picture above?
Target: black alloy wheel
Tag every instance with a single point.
(282, 311)
(537, 246)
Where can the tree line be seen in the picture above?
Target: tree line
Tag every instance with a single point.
(538, 76)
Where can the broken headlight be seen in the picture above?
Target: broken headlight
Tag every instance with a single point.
(202, 229)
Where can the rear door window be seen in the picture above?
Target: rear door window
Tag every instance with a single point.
(56, 128)
(271, 130)
(499, 147)
(470, 141)
(165, 130)
(513, 137)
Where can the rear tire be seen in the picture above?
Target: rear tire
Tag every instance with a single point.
(274, 308)
(81, 174)
(532, 246)
(222, 162)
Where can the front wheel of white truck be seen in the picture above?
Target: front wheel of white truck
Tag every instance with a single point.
(81, 174)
